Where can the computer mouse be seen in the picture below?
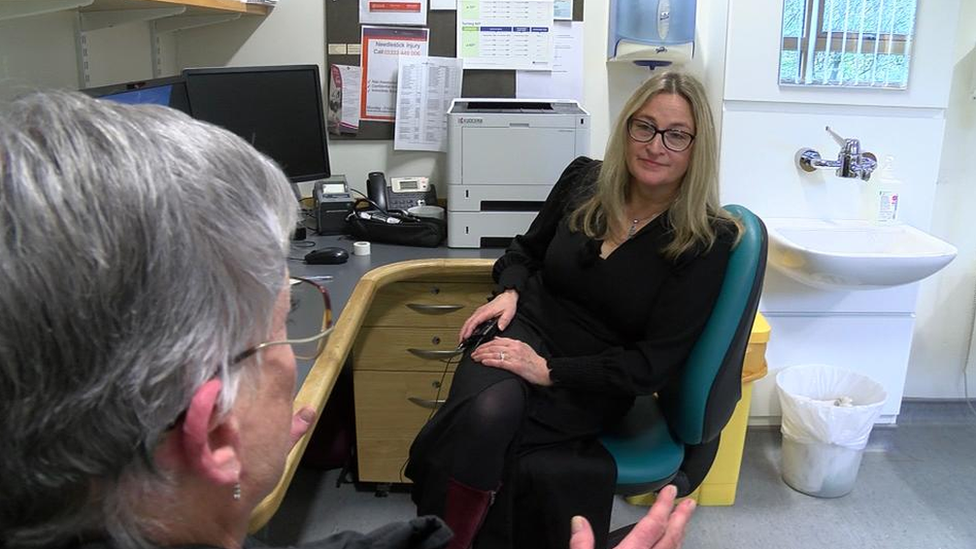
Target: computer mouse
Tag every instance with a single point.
(327, 256)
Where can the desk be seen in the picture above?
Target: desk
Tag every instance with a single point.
(352, 288)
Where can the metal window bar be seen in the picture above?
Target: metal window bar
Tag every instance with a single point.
(810, 30)
(830, 28)
(860, 41)
(877, 42)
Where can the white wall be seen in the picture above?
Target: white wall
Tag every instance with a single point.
(947, 302)
(764, 125)
(37, 52)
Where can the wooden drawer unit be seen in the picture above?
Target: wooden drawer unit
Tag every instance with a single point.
(405, 349)
(434, 304)
(390, 410)
(400, 361)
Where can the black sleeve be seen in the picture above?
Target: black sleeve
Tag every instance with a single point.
(525, 254)
(678, 317)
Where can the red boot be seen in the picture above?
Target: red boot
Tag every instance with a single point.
(465, 511)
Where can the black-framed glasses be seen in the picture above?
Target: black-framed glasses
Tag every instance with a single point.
(309, 321)
(643, 131)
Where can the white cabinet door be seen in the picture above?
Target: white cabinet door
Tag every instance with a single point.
(875, 346)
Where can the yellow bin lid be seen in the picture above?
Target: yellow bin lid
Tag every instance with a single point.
(760, 330)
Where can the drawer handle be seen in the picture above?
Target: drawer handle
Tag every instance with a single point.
(434, 309)
(424, 353)
(427, 403)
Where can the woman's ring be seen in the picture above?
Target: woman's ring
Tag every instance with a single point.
(501, 355)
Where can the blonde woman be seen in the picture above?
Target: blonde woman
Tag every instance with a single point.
(599, 301)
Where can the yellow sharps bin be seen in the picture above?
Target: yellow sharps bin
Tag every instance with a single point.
(719, 485)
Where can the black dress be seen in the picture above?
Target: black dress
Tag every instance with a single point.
(610, 329)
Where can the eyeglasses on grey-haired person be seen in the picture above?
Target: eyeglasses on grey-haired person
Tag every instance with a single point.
(643, 131)
(309, 321)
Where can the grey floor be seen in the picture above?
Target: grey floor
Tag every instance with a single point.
(916, 489)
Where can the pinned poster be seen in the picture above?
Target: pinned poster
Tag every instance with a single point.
(344, 99)
(505, 34)
(382, 48)
(393, 12)
(566, 79)
(425, 89)
(562, 10)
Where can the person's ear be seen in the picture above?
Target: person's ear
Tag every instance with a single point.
(210, 443)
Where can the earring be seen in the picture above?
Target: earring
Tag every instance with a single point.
(237, 491)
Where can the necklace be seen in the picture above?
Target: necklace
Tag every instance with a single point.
(636, 221)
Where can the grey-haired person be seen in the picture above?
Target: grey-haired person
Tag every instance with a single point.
(143, 258)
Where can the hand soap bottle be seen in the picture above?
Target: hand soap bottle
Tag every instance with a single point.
(883, 195)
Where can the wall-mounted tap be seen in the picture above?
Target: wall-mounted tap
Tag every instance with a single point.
(851, 162)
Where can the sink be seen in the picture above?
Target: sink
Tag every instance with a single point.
(853, 254)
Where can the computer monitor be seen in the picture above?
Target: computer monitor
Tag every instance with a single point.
(277, 109)
(168, 91)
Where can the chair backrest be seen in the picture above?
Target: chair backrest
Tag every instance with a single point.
(700, 403)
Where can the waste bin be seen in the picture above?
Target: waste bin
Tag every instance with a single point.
(828, 413)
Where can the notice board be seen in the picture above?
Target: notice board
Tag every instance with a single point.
(342, 29)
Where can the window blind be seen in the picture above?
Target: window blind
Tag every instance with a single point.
(851, 43)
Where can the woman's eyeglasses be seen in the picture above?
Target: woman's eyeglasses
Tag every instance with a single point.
(309, 321)
(673, 140)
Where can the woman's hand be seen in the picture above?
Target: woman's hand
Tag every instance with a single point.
(514, 356)
(502, 307)
(663, 527)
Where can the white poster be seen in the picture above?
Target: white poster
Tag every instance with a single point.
(344, 83)
(443, 4)
(505, 34)
(382, 48)
(425, 89)
(393, 12)
(566, 79)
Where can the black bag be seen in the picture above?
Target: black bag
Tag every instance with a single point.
(409, 231)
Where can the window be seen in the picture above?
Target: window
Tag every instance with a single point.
(850, 43)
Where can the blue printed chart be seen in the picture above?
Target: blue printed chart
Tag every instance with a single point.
(505, 34)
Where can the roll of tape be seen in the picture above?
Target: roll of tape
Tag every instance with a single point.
(360, 248)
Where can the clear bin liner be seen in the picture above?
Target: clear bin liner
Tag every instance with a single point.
(821, 470)
(830, 405)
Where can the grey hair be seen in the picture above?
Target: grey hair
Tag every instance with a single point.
(139, 251)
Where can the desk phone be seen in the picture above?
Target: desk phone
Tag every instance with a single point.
(400, 193)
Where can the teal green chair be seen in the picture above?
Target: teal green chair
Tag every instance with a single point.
(673, 438)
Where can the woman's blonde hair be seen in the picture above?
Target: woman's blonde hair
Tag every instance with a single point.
(696, 204)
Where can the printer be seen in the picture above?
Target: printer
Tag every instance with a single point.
(503, 157)
(332, 205)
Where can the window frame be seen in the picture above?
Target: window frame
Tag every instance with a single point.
(840, 42)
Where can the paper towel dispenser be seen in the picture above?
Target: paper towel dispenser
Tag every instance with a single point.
(652, 33)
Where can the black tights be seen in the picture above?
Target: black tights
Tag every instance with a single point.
(490, 422)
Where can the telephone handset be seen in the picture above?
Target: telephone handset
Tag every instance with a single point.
(400, 193)
(376, 189)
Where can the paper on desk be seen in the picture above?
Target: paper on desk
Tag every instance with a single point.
(393, 12)
(344, 84)
(505, 34)
(382, 48)
(425, 88)
(566, 79)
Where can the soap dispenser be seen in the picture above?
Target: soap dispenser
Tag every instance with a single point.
(883, 195)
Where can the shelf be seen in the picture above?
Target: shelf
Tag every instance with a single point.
(13, 9)
(205, 6)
